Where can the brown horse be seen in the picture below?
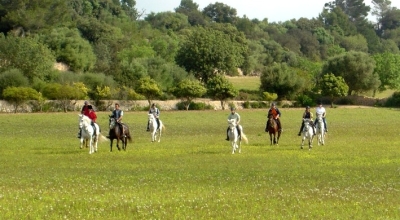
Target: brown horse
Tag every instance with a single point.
(116, 133)
(273, 130)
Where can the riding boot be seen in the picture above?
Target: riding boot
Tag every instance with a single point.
(148, 128)
(80, 133)
(301, 129)
(227, 136)
(266, 128)
(313, 128)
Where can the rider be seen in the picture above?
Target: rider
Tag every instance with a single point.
(236, 116)
(274, 111)
(321, 111)
(307, 115)
(85, 108)
(156, 112)
(84, 111)
(117, 115)
(92, 115)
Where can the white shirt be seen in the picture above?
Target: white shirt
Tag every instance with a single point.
(320, 111)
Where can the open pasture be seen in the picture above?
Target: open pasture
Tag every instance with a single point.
(191, 173)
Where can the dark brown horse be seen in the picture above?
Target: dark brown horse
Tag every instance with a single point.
(116, 133)
(272, 129)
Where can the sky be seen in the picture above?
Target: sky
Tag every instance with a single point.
(274, 10)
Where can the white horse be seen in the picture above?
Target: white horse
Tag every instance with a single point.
(234, 137)
(320, 130)
(88, 135)
(155, 132)
(307, 133)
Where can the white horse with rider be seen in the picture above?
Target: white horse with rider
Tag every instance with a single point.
(236, 135)
(155, 128)
(90, 133)
(307, 133)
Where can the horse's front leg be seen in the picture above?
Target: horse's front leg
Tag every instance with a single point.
(153, 136)
(111, 143)
(270, 138)
(118, 144)
(233, 144)
(302, 143)
(81, 147)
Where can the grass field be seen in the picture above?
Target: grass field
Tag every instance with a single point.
(192, 174)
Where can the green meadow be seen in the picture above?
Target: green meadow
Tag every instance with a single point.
(191, 173)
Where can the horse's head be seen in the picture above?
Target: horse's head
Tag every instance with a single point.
(111, 121)
(232, 123)
(151, 117)
(84, 120)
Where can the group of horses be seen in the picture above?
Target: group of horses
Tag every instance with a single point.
(308, 132)
(91, 134)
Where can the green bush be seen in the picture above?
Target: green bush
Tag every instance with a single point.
(394, 100)
(304, 100)
(194, 106)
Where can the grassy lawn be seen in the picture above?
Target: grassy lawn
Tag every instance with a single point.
(245, 82)
(192, 174)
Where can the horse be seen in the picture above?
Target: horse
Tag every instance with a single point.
(154, 130)
(234, 137)
(116, 133)
(273, 130)
(320, 130)
(307, 133)
(88, 136)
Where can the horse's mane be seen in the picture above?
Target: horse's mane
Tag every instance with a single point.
(86, 119)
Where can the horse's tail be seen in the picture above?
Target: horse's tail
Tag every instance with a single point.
(243, 136)
(163, 128)
(102, 138)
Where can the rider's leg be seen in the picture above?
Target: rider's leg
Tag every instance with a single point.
(301, 128)
(239, 130)
(148, 128)
(158, 123)
(326, 128)
(227, 136)
(80, 133)
(279, 124)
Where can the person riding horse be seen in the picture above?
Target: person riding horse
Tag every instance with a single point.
(156, 112)
(307, 115)
(321, 111)
(236, 116)
(117, 115)
(92, 115)
(276, 114)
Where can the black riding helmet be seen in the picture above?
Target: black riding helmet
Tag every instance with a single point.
(308, 107)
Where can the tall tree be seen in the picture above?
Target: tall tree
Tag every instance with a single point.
(356, 68)
(221, 13)
(207, 52)
(191, 10)
(220, 88)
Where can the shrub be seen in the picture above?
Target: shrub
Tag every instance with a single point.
(394, 100)
(194, 106)
(304, 100)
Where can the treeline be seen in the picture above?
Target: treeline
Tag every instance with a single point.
(114, 51)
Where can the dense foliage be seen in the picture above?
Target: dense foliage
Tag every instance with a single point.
(117, 43)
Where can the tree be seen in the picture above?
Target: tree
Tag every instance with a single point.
(28, 55)
(333, 87)
(357, 70)
(191, 10)
(149, 88)
(220, 88)
(12, 78)
(63, 94)
(19, 95)
(168, 21)
(282, 80)
(220, 13)
(187, 90)
(207, 52)
(70, 48)
(388, 70)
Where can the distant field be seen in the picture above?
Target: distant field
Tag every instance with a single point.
(192, 174)
(253, 83)
(245, 82)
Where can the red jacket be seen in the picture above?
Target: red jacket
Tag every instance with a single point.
(92, 115)
(85, 110)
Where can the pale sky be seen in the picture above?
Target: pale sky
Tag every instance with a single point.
(274, 10)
